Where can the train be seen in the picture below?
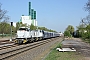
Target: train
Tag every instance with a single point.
(24, 35)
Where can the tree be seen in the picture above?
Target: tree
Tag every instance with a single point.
(88, 32)
(81, 29)
(86, 20)
(3, 16)
(46, 29)
(84, 32)
(67, 34)
(25, 25)
(17, 26)
(4, 28)
(70, 28)
(87, 6)
(84, 28)
(85, 23)
(32, 27)
(4, 19)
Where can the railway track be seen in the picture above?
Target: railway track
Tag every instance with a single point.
(11, 51)
(5, 40)
(2, 42)
(8, 46)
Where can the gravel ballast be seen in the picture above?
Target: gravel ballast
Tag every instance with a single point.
(33, 53)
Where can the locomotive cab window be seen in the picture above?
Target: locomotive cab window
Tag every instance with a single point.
(24, 29)
(40, 31)
(27, 29)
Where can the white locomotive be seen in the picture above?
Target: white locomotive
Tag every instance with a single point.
(37, 34)
(24, 34)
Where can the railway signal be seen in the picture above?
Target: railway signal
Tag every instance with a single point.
(11, 30)
(11, 23)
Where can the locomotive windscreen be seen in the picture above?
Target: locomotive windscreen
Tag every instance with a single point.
(24, 29)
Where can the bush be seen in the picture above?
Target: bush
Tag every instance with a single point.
(67, 33)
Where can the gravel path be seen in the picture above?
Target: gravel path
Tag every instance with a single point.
(33, 53)
(81, 47)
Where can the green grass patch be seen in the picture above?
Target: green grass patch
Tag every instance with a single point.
(86, 40)
(56, 55)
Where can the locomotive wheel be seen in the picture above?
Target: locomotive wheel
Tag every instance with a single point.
(36, 39)
(41, 38)
(20, 42)
(32, 39)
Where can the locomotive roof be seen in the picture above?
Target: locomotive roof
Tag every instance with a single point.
(23, 27)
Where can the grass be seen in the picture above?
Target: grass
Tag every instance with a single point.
(56, 55)
(86, 40)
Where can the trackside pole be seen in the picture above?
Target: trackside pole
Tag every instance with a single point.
(11, 30)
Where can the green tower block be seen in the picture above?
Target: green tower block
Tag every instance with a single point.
(29, 8)
(32, 14)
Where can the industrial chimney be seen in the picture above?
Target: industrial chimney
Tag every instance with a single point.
(29, 8)
(32, 14)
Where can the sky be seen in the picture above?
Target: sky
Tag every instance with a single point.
(52, 14)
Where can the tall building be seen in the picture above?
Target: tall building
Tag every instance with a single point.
(31, 18)
(29, 8)
(27, 20)
(32, 14)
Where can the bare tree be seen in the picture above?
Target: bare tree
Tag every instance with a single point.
(86, 21)
(3, 16)
(3, 20)
(87, 6)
